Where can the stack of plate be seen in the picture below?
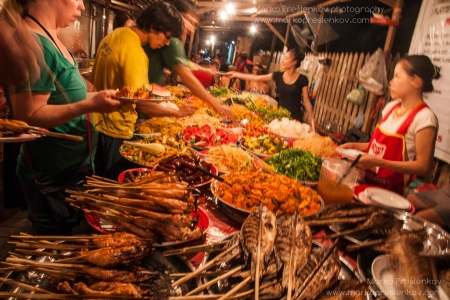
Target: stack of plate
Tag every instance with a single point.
(387, 198)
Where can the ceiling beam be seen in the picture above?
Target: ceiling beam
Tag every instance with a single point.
(276, 32)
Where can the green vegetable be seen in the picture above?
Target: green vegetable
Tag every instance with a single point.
(219, 91)
(297, 164)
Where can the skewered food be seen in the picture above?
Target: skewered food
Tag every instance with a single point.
(128, 274)
(102, 288)
(15, 126)
(112, 257)
(118, 239)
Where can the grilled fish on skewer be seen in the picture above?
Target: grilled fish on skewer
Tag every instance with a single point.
(109, 288)
(325, 277)
(293, 242)
(354, 212)
(261, 216)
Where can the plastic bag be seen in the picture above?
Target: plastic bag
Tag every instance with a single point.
(358, 121)
(356, 96)
(372, 75)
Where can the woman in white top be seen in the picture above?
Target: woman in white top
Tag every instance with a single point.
(403, 141)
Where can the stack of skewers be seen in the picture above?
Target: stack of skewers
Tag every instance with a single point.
(270, 258)
(101, 266)
(156, 207)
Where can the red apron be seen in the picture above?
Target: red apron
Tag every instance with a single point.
(388, 146)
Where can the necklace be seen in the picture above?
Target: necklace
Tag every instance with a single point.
(45, 30)
(398, 115)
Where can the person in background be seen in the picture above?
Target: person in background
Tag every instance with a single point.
(170, 57)
(58, 101)
(433, 206)
(231, 83)
(258, 87)
(121, 61)
(219, 59)
(123, 19)
(215, 66)
(403, 142)
(203, 77)
(292, 86)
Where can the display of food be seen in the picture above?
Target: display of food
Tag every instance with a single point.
(264, 144)
(229, 158)
(144, 92)
(278, 192)
(200, 120)
(321, 146)
(186, 168)
(142, 157)
(166, 126)
(205, 136)
(268, 111)
(241, 112)
(297, 164)
(290, 129)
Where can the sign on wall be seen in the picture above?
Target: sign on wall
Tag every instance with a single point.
(432, 38)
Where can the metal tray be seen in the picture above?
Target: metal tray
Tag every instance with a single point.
(436, 245)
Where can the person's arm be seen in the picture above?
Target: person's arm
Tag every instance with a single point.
(198, 90)
(424, 140)
(237, 85)
(151, 109)
(243, 76)
(33, 109)
(357, 146)
(307, 104)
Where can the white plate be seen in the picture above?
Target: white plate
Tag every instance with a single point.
(349, 153)
(19, 138)
(387, 283)
(387, 198)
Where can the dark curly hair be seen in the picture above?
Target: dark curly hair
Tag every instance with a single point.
(421, 66)
(162, 17)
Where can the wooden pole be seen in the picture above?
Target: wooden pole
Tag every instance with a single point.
(105, 31)
(272, 49)
(191, 41)
(286, 37)
(197, 41)
(274, 30)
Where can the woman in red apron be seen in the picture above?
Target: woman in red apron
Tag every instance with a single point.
(402, 144)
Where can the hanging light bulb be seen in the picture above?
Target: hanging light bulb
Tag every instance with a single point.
(223, 14)
(230, 8)
(253, 29)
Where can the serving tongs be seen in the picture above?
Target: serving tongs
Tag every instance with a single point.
(40, 131)
(213, 175)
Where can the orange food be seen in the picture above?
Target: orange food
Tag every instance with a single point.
(278, 192)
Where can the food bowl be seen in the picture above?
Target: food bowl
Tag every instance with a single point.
(134, 172)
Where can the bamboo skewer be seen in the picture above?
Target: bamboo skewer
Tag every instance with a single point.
(23, 285)
(211, 282)
(39, 253)
(351, 248)
(81, 238)
(206, 266)
(350, 231)
(258, 251)
(4, 295)
(291, 261)
(49, 246)
(45, 264)
(237, 288)
(194, 249)
(335, 221)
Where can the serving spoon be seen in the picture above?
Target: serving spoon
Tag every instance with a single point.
(152, 148)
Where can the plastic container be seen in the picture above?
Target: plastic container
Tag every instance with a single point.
(328, 188)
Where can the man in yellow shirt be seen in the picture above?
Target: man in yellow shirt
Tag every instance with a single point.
(120, 61)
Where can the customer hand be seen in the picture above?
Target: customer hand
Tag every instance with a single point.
(104, 101)
(231, 74)
(226, 113)
(186, 110)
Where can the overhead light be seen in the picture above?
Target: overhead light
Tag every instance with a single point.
(212, 38)
(207, 42)
(230, 8)
(104, 17)
(223, 14)
(233, 42)
(253, 29)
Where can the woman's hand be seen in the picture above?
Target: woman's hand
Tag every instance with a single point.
(369, 161)
(186, 110)
(357, 146)
(231, 75)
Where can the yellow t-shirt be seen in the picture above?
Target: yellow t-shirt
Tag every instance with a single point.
(120, 60)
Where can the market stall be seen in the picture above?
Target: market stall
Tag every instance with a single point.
(217, 209)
